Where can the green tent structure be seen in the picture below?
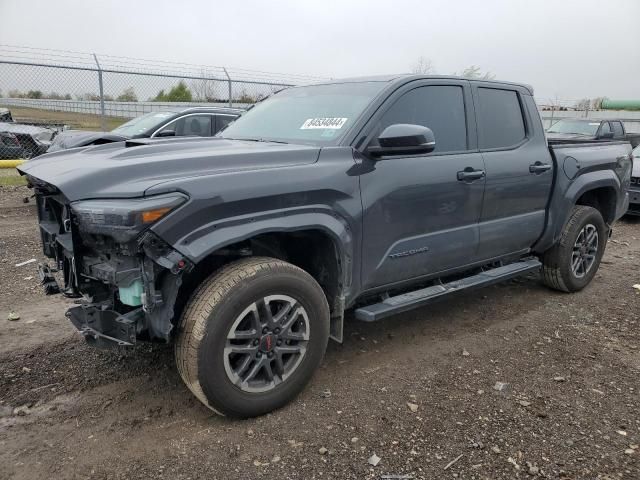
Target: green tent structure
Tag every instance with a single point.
(621, 104)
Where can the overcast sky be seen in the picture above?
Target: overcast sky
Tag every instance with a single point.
(568, 48)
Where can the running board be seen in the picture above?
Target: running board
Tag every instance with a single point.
(418, 298)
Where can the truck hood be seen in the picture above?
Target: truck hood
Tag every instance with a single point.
(128, 169)
(81, 138)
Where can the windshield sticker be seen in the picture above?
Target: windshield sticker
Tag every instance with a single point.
(162, 115)
(328, 122)
(596, 123)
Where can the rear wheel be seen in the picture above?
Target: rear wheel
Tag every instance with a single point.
(252, 335)
(572, 263)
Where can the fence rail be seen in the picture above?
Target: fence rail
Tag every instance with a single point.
(111, 108)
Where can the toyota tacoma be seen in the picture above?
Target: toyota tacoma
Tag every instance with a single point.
(376, 195)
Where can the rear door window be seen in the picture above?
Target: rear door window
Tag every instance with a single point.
(222, 121)
(618, 131)
(500, 118)
(605, 128)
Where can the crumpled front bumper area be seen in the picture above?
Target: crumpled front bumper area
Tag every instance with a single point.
(105, 328)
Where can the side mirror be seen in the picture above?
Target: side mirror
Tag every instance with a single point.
(606, 135)
(403, 139)
(166, 133)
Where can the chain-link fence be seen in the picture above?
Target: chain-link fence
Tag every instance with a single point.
(61, 89)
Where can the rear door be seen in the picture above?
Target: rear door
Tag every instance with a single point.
(518, 166)
(419, 218)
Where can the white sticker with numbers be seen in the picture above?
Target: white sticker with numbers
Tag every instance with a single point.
(323, 123)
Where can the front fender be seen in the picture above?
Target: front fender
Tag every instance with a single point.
(220, 233)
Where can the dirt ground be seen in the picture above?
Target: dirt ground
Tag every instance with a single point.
(569, 406)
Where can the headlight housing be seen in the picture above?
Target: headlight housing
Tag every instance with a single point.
(124, 219)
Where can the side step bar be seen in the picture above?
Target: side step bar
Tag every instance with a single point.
(418, 298)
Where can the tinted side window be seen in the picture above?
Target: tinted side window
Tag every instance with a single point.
(618, 131)
(222, 121)
(199, 125)
(440, 108)
(605, 128)
(499, 118)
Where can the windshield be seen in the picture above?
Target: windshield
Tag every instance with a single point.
(316, 115)
(142, 124)
(576, 127)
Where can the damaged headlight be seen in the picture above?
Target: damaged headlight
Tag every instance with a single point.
(124, 219)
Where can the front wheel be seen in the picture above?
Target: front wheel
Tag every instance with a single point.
(252, 335)
(572, 263)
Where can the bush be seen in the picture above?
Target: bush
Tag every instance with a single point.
(179, 93)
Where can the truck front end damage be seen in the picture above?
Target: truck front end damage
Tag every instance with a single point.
(125, 277)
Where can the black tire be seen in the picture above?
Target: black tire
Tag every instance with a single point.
(557, 270)
(215, 307)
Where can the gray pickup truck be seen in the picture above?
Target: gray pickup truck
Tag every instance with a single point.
(378, 195)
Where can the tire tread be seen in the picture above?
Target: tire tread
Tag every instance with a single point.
(193, 323)
(553, 261)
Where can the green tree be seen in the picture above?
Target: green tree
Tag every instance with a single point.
(128, 95)
(34, 94)
(179, 93)
(475, 72)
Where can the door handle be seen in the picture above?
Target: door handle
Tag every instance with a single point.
(539, 167)
(469, 174)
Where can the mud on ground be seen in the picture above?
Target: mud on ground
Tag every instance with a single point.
(569, 406)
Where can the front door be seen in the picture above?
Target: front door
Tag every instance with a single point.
(420, 213)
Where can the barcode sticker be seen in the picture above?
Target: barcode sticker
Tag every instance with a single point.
(323, 123)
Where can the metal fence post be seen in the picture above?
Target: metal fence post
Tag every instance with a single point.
(103, 120)
(229, 80)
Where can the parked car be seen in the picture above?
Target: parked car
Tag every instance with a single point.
(10, 148)
(5, 115)
(572, 129)
(197, 121)
(33, 140)
(634, 187)
(380, 194)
